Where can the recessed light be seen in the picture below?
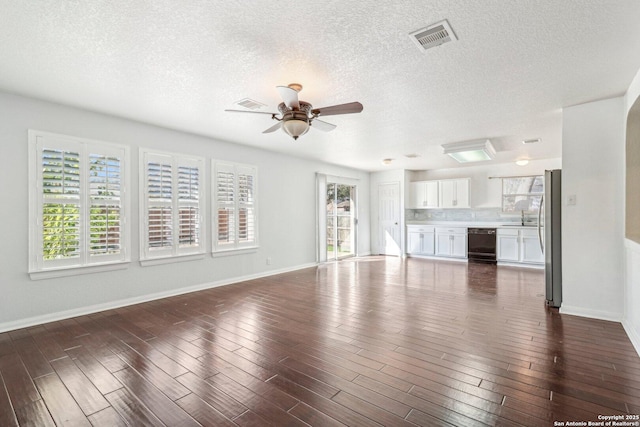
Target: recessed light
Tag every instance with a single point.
(387, 161)
(412, 156)
(531, 141)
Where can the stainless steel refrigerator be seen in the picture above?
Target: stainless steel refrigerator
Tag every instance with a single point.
(551, 236)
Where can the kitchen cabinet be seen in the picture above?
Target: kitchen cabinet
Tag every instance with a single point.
(447, 193)
(519, 245)
(423, 194)
(508, 244)
(453, 193)
(451, 242)
(420, 240)
(530, 251)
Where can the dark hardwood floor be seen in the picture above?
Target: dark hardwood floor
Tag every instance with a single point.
(363, 342)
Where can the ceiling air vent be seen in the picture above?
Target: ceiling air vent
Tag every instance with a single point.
(434, 35)
(250, 104)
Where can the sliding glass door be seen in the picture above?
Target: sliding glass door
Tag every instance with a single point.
(341, 235)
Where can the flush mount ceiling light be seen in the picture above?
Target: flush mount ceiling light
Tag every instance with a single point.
(522, 162)
(470, 151)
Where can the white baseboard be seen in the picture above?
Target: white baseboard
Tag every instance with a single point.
(590, 313)
(634, 337)
(437, 258)
(82, 311)
(520, 265)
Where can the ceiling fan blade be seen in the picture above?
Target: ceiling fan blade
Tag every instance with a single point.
(349, 108)
(273, 128)
(252, 112)
(321, 125)
(289, 96)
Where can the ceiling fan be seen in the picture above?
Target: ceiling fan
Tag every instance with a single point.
(298, 116)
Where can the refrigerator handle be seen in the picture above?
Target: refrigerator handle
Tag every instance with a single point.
(539, 226)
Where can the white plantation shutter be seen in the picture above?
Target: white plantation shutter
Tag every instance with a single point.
(77, 202)
(189, 206)
(235, 206)
(225, 205)
(105, 205)
(173, 204)
(61, 226)
(246, 206)
(159, 193)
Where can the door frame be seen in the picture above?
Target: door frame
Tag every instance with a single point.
(321, 212)
(353, 209)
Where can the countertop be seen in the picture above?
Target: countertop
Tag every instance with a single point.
(473, 224)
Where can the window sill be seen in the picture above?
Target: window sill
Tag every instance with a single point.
(232, 252)
(170, 259)
(76, 271)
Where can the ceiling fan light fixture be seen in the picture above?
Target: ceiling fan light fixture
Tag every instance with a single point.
(295, 127)
(470, 151)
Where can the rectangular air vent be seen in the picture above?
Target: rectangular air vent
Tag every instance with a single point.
(250, 104)
(433, 35)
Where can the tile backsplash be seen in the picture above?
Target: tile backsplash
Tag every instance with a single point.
(466, 215)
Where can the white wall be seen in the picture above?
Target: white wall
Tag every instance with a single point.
(631, 320)
(485, 192)
(287, 215)
(593, 228)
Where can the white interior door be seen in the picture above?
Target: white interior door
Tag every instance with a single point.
(389, 239)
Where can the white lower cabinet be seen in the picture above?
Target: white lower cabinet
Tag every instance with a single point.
(451, 242)
(420, 240)
(518, 245)
(530, 251)
(507, 245)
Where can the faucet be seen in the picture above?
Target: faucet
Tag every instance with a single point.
(522, 217)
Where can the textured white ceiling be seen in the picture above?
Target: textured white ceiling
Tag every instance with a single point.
(180, 64)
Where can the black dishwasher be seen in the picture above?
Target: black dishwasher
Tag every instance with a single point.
(481, 245)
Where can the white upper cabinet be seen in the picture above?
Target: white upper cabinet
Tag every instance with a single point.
(423, 194)
(450, 193)
(454, 193)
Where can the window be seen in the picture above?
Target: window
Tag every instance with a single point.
(234, 199)
(78, 202)
(172, 205)
(522, 193)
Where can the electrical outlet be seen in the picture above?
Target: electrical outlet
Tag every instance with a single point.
(268, 260)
